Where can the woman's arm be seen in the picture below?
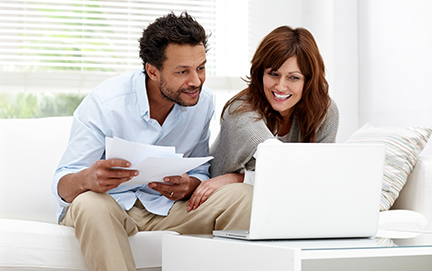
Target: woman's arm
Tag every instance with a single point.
(206, 188)
(328, 129)
(237, 141)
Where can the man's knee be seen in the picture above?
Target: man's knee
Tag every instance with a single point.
(90, 198)
(92, 205)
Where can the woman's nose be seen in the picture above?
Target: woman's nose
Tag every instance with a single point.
(280, 84)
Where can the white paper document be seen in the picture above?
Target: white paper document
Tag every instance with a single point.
(153, 162)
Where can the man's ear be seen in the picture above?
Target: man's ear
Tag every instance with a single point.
(152, 71)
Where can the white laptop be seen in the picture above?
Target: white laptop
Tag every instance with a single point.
(314, 191)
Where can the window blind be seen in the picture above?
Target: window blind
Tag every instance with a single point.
(77, 36)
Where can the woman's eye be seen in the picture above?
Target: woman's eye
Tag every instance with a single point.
(273, 73)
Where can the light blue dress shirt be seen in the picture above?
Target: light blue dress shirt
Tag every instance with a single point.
(119, 107)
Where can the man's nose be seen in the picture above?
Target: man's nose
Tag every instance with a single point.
(194, 79)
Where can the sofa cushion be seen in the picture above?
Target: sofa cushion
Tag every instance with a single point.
(401, 224)
(34, 148)
(31, 245)
(403, 146)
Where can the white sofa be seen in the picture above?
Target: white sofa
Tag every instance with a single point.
(30, 238)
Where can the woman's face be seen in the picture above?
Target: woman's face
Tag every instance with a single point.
(283, 88)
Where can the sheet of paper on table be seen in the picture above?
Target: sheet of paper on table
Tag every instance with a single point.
(153, 162)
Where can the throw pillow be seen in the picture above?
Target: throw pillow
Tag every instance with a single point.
(403, 146)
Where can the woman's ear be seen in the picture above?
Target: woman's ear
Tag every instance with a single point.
(152, 71)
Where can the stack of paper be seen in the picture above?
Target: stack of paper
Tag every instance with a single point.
(153, 162)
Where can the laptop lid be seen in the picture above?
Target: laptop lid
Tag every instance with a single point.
(316, 190)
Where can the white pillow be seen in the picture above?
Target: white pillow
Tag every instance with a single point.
(403, 145)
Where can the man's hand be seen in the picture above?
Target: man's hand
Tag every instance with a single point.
(206, 188)
(100, 177)
(176, 187)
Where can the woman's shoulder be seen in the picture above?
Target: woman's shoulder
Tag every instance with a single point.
(235, 103)
(238, 111)
(333, 111)
(333, 105)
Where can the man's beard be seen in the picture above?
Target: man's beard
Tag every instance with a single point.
(174, 96)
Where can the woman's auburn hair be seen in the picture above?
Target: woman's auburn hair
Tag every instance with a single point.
(279, 45)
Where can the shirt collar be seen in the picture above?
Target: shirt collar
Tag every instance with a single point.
(141, 92)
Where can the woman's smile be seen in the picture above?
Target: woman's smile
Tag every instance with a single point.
(281, 97)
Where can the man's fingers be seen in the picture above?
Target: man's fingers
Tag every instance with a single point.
(108, 184)
(112, 163)
(111, 173)
(164, 189)
(118, 163)
(177, 179)
(173, 179)
(114, 169)
(122, 173)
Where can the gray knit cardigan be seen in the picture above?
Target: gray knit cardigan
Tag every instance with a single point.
(240, 135)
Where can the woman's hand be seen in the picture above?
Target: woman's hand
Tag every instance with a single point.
(206, 188)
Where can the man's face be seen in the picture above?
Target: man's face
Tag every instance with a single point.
(183, 74)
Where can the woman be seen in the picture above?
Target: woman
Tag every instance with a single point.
(287, 98)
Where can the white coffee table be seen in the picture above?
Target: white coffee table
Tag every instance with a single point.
(204, 252)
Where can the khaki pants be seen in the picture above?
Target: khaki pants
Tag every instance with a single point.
(103, 227)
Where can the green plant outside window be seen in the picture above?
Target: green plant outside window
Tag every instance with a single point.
(38, 105)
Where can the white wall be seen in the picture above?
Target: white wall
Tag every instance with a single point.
(231, 15)
(334, 24)
(264, 16)
(396, 63)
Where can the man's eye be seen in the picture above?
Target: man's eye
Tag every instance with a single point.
(182, 72)
(201, 68)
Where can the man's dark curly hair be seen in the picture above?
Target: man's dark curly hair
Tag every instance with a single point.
(169, 29)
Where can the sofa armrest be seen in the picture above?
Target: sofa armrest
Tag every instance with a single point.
(416, 195)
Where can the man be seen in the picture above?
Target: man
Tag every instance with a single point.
(168, 105)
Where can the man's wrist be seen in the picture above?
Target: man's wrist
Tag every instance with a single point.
(194, 183)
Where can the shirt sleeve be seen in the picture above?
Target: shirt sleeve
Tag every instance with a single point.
(86, 142)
